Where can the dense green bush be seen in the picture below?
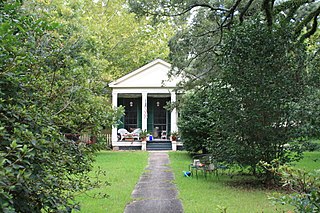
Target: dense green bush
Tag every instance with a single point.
(243, 115)
(310, 146)
(47, 90)
(193, 123)
(303, 187)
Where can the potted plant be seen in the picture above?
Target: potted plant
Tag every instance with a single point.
(143, 135)
(174, 135)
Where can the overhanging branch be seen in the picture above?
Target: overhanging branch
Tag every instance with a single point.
(245, 9)
(230, 15)
(305, 21)
(312, 31)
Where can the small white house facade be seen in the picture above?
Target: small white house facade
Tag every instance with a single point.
(144, 93)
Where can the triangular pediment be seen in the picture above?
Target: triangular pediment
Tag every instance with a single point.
(151, 75)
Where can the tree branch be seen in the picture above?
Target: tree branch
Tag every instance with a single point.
(245, 9)
(267, 6)
(304, 22)
(209, 6)
(66, 105)
(313, 29)
(230, 14)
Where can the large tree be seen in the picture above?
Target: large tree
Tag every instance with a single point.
(263, 70)
(249, 61)
(243, 115)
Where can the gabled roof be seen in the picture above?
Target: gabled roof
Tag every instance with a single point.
(151, 75)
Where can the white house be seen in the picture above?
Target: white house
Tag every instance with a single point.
(144, 93)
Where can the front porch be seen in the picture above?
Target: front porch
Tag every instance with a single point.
(145, 112)
(144, 94)
(156, 145)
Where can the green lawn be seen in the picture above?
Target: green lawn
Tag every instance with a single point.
(310, 161)
(217, 193)
(123, 172)
(211, 195)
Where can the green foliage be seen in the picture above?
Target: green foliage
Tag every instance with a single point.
(195, 121)
(46, 91)
(309, 145)
(243, 115)
(174, 134)
(305, 188)
(144, 133)
(203, 24)
(306, 110)
(115, 42)
(252, 77)
(262, 80)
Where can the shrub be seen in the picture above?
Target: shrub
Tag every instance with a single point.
(305, 187)
(44, 94)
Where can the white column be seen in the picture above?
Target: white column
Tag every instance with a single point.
(114, 128)
(174, 115)
(144, 145)
(174, 145)
(144, 111)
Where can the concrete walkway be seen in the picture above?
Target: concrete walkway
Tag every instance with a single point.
(155, 192)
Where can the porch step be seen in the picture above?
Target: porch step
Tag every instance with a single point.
(157, 145)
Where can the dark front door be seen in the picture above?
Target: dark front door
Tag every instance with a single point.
(160, 116)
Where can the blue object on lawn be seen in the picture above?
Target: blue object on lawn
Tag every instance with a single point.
(187, 173)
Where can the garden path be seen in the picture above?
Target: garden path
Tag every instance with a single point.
(155, 191)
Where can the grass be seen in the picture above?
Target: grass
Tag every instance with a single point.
(215, 194)
(219, 193)
(310, 161)
(123, 170)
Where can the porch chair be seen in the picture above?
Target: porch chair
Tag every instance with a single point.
(164, 134)
(122, 133)
(136, 133)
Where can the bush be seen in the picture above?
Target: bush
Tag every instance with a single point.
(305, 187)
(310, 146)
(243, 114)
(44, 94)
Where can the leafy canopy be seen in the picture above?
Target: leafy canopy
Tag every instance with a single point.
(115, 41)
(202, 25)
